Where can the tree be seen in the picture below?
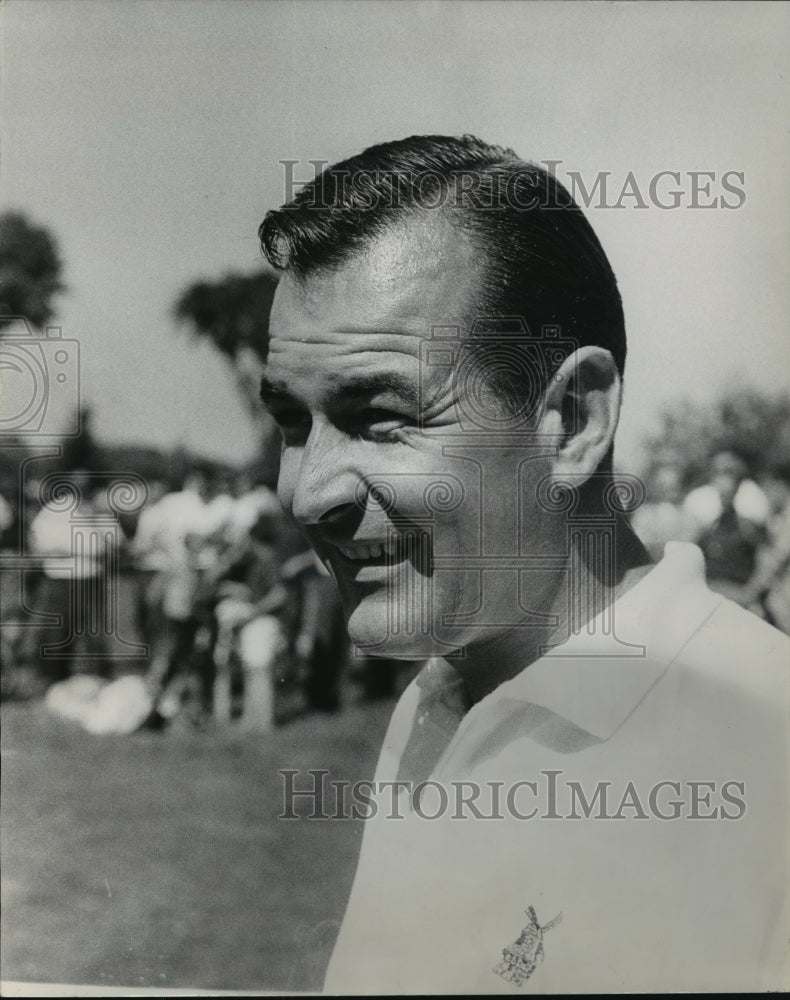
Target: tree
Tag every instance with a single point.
(233, 313)
(30, 271)
(753, 423)
(82, 451)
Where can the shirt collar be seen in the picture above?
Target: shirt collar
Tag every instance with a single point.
(597, 677)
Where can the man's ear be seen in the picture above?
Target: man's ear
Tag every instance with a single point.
(582, 407)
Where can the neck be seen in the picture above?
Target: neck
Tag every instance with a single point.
(587, 584)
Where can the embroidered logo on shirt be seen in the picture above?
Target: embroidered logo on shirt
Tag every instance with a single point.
(520, 959)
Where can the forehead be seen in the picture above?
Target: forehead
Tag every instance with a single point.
(384, 300)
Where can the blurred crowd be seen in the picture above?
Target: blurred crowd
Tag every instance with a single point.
(740, 521)
(222, 608)
(228, 607)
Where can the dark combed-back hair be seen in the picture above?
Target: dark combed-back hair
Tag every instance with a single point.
(540, 258)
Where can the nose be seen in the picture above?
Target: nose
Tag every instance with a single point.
(317, 482)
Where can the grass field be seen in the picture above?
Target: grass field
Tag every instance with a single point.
(158, 859)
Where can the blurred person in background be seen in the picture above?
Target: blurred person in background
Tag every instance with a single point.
(7, 642)
(380, 676)
(768, 590)
(71, 539)
(248, 601)
(20, 641)
(7, 518)
(663, 517)
(730, 541)
(220, 511)
(150, 560)
(220, 500)
(13, 670)
(252, 498)
(319, 637)
(705, 503)
(182, 527)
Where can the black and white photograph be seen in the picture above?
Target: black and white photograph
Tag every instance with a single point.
(394, 497)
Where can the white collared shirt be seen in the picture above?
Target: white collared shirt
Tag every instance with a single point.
(698, 699)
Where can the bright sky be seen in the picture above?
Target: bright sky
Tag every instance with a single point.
(147, 134)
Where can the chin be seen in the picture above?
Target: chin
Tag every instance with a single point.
(370, 630)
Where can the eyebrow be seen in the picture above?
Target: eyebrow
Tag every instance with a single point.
(374, 384)
(360, 386)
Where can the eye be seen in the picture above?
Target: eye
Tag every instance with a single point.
(293, 423)
(380, 415)
(290, 417)
(379, 423)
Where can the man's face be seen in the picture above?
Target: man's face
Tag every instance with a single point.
(411, 515)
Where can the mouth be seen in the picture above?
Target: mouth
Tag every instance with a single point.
(374, 559)
(368, 553)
